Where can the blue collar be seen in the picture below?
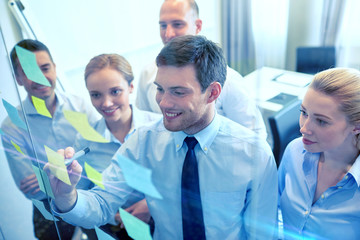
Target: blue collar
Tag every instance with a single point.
(205, 137)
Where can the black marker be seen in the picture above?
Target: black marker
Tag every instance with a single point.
(77, 155)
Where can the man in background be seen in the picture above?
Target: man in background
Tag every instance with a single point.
(55, 132)
(181, 17)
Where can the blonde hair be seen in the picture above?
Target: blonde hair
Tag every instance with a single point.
(342, 84)
(114, 61)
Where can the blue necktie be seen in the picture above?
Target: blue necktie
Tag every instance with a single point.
(192, 215)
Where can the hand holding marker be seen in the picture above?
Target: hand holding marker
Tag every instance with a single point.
(77, 155)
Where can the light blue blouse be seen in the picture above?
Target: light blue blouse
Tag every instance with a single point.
(335, 215)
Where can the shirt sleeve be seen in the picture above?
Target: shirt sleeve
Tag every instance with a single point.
(20, 164)
(235, 104)
(146, 93)
(98, 206)
(260, 217)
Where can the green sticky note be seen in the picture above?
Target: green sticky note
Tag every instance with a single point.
(40, 205)
(14, 115)
(17, 147)
(28, 63)
(80, 122)
(57, 166)
(44, 185)
(136, 228)
(102, 235)
(94, 175)
(40, 106)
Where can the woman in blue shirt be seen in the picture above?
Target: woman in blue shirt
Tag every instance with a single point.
(109, 82)
(319, 176)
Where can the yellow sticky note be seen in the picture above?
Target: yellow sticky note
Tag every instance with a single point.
(94, 175)
(40, 106)
(80, 122)
(57, 166)
(17, 147)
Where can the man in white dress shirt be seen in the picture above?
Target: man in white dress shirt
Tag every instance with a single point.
(181, 17)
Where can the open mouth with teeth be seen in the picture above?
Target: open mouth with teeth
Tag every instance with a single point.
(109, 112)
(170, 115)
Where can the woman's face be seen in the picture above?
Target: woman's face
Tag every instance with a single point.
(109, 93)
(323, 126)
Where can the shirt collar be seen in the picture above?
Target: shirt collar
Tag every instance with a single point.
(205, 137)
(105, 132)
(30, 109)
(134, 123)
(355, 170)
(135, 118)
(311, 164)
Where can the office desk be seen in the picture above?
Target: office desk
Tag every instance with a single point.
(273, 88)
(266, 83)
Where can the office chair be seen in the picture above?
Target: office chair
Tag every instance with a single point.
(284, 126)
(315, 59)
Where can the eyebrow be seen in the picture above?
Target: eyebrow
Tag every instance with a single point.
(116, 88)
(320, 115)
(172, 21)
(45, 65)
(317, 114)
(173, 88)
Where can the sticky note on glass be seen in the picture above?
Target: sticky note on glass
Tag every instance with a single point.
(14, 115)
(138, 177)
(80, 122)
(40, 106)
(43, 185)
(40, 205)
(94, 175)
(102, 235)
(17, 147)
(136, 228)
(57, 166)
(28, 63)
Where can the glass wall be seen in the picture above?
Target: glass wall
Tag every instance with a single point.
(76, 31)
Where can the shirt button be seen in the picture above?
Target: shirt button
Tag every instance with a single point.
(306, 212)
(177, 145)
(346, 177)
(322, 196)
(339, 187)
(205, 149)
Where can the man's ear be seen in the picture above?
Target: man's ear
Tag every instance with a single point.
(214, 91)
(131, 87)
(198, 24)
(18, 80)
(18, 71)
(356, 129)
(18, 76)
